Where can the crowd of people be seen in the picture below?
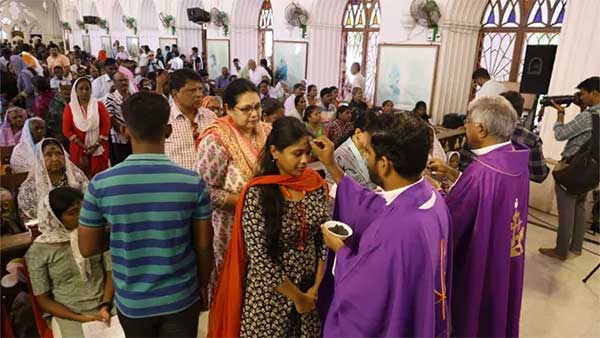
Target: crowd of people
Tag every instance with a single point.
(159, 193)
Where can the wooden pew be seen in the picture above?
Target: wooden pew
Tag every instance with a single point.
(451, 139)
(5, 153)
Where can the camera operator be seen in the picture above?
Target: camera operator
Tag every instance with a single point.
(571, 209)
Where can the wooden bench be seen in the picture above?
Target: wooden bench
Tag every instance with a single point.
(5, 153)
(451, 139)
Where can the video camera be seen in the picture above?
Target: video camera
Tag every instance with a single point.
(561, 99)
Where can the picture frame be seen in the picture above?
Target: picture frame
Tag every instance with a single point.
(217, 56)
(163, 42)
(290, 61)
(85, 44)
(406, 74)
(106, 44)
(132, 45)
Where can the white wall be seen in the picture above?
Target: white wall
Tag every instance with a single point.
(576, 59)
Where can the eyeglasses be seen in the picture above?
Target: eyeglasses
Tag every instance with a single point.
(248, 109)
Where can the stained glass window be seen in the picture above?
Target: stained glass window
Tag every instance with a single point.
(509, 26)
(360, 39)
(265, 32)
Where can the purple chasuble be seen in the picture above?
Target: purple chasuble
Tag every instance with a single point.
(390, 279)
(489, 206)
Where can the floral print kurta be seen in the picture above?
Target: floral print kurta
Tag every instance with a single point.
(219, 171)
(265, 311)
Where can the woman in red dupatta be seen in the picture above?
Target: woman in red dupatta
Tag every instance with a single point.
(274, 262)
(228, 153)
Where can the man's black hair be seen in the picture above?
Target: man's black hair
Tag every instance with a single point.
(146, 115)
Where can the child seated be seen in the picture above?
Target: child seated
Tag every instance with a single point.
(72, 289)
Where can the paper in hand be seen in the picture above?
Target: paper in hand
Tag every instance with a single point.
(102, 330)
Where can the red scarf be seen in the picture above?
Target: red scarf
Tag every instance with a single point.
(226, 311)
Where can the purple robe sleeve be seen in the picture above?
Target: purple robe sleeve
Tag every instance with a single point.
(356, 205)
(462, 201)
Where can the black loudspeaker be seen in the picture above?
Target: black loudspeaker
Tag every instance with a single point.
(91, 20)
(198, 15)
(537, 69)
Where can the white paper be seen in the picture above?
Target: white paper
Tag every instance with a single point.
(102, 330)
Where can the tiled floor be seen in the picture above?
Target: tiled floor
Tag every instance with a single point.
(556, 303)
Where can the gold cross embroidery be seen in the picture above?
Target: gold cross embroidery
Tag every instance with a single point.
(442, 294)
(518, 232)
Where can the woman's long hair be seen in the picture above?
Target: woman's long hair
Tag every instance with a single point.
(286, 132)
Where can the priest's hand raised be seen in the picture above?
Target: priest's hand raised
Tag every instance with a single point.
(332, 242)
(439, 167)
(324, 148)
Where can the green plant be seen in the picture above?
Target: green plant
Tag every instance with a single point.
(66, 26)
(104, 25)
(82, 25)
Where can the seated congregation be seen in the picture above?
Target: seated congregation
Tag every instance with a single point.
(155, 194)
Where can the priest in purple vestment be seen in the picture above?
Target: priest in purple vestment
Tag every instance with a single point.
(488, 204)
(390, 277)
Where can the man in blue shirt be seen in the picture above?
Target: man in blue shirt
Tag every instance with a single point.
(160, 235)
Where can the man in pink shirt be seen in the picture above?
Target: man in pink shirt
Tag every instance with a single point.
(57, 59)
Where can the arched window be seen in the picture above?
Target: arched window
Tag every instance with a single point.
(265, 32)
(509, 26)
(360, 37)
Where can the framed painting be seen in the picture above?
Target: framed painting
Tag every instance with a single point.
(133, 46)
(85, 44)
(163, 42)
(106, 44)
(217, 54)
(405, 74)
(290, 61)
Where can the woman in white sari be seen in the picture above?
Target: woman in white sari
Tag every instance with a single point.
(52, 169)
(23, 156)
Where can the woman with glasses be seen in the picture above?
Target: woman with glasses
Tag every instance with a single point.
(228, 154)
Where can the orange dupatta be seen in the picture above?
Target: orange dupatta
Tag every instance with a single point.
(226, 311)
(239, 147)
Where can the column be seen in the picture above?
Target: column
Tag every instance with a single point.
(323, 55)
(244, 43)
(456, 60)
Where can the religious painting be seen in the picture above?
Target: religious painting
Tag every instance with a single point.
(290, 59)
(405, 74)
(85, 44)
(164, 42)
(133, 46)
(217, 56)
(106, 44)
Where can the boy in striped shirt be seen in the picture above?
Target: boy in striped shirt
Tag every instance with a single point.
(160, 236)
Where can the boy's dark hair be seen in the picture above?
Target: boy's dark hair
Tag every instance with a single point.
(57, 66)
(404, 140)
(325, 91)
(270, 106)
(63, 198)
(420, 104)
(481, 73)
(590, 84)
(516, 100)
(386, 102)
(146, 115)
(110, 62)
(41, 83)
(180, 77)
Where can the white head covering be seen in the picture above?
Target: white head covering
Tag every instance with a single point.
(54, 231)
(23, 155)
(88, 122)
(38, 183)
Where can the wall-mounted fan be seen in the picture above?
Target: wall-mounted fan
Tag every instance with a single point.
(297, 16)
(168, 21)
(220, 19)
(427, 14)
